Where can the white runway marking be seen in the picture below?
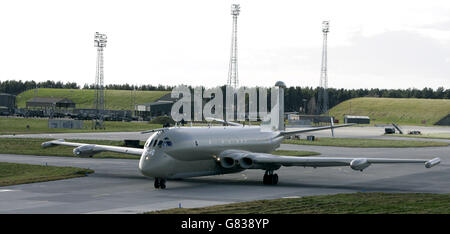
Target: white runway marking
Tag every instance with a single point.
(7, 190)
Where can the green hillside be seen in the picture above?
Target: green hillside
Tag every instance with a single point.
(411, 111)
(114, 99)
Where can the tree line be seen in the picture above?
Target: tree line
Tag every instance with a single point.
(301, 99)
(16, 87)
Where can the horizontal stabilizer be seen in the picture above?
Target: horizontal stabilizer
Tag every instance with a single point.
(154, 130)
(222, 121)
(287, 133)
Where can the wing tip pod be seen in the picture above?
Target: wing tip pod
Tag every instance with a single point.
(433, 162)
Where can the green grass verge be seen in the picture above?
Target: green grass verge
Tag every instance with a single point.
(114, 99)
(32, 146)
(294, 153)
(19, 126)
(355, 203)
(365, 143)
(445, 136)
(13, 173)
(405, 111)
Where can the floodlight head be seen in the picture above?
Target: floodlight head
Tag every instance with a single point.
(235, 9)
(100, 40)
(325, 26)
(280, 84)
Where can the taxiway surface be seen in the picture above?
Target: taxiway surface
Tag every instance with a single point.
(117, 186)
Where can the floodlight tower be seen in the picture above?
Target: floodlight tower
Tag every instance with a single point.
(99, 99)
(233, 69)
(323, 93)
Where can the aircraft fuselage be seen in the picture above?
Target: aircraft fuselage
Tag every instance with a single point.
(187, 152)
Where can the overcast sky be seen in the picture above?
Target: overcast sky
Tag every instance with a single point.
(372, 44)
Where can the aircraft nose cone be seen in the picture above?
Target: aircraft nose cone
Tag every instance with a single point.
(141, 163)
(144, 161)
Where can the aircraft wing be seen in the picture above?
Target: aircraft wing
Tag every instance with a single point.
(250, 160)
(287, 133)
(83, 149)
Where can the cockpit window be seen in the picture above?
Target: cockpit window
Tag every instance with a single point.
(167, 142)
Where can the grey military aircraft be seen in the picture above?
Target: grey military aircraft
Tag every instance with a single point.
(181, 152)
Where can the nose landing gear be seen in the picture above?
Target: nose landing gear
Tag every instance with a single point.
(270, 178)
(160, 183)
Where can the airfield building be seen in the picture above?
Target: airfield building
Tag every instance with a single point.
(444, 121)
(161, 107)
(49, 103)
(7, 103)
(356, 119)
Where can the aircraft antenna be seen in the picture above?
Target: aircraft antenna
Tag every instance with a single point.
(323, 92)
(233, 69)
(99, 99)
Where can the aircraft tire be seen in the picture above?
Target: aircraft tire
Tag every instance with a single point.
(265, 179)
(157, 183)
(274, 179)
(162, 183)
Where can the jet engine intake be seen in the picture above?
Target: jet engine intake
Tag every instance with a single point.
(246, 162)
(227, 162)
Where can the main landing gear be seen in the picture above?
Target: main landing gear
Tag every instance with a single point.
(160, 183)
(270, 178)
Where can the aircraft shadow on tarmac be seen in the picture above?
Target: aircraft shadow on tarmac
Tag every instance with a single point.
(436, 182)
(353, 187)
(429, 181)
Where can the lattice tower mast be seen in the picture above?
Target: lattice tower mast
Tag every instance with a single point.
(323, 92)
(233, 69)
(100, 42)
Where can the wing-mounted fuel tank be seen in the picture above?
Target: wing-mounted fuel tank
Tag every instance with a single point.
(86, 151)
(359, 164)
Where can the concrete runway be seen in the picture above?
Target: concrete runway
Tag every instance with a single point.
(117, 187)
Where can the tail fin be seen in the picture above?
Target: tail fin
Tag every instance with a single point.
(274, 121)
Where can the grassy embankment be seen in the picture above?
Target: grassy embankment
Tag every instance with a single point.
(365, 143)
(84, 98)
(355, 203)
(13, 173)
(405, 111)
(32, 146)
